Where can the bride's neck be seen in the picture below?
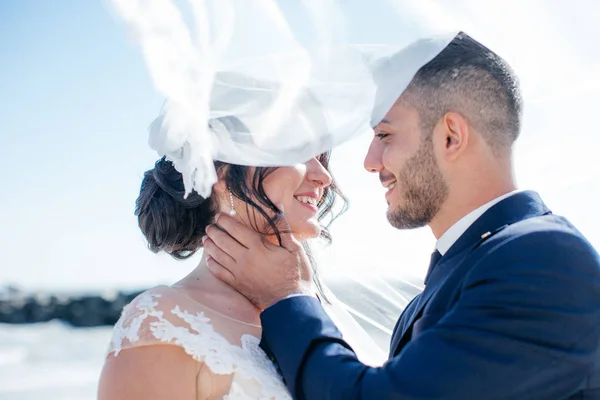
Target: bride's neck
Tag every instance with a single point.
(209, 290)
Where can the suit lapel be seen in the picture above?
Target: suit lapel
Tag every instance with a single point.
(513, 209)
(402, 322)
(437, 278)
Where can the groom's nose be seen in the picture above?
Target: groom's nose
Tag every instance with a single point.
(372, 161)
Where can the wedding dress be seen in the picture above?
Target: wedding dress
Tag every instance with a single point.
(230, 363)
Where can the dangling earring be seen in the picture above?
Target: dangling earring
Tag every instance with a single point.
(232, 211)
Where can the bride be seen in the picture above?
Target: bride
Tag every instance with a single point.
(198, 338)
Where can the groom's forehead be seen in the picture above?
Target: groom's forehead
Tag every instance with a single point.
(397, 114)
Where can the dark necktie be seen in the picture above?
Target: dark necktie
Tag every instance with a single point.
(435, 257)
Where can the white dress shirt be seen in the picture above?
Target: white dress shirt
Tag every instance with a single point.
(455, 231)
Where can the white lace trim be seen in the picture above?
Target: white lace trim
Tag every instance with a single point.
(205, 345)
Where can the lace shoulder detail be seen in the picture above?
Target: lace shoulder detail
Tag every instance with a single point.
(136, 325)
(156, 317)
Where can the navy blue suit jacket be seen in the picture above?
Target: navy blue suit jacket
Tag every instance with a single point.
(512, 311)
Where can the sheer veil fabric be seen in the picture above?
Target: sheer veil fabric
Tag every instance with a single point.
(241, 86)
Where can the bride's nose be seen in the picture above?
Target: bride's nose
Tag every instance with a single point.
(317, 173)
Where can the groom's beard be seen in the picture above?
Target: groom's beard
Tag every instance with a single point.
(422, 190)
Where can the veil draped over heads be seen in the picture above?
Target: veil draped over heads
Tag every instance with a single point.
(243, 86)
(216, 59)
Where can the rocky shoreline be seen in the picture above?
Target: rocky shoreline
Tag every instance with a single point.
(104, 308)
(87, 310)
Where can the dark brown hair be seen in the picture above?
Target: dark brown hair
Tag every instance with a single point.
(175, 225)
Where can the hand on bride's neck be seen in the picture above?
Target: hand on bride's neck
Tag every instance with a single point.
(202, 286)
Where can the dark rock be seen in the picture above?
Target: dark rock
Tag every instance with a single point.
(18, 307)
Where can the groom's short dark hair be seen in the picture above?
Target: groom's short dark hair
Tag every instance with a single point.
(468, 78)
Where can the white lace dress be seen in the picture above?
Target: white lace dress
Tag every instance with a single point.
(237, 368)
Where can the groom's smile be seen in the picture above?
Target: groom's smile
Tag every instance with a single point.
(388, 183)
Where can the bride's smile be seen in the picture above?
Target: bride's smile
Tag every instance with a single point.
(298, 191)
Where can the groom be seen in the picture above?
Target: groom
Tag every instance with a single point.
(511, 305)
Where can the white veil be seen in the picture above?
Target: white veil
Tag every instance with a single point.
(365, 309)
(213, 59)
(241, 88)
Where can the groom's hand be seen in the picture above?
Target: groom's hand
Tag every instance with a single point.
(261, 271)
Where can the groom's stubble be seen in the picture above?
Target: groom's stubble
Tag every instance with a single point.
(422, 189)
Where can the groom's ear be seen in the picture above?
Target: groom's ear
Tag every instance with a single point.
(455, 135)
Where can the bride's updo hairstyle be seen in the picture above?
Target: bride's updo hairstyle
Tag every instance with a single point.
(175, 225)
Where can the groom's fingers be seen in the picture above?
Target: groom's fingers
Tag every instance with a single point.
(225, 242)
(220, 271)
(216, 253)
(288, 240)
(240, 232)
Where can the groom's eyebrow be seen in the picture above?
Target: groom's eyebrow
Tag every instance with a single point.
(382, 123)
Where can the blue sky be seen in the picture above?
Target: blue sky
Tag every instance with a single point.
(76, 99)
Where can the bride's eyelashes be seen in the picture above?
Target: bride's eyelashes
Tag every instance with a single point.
(382, 135)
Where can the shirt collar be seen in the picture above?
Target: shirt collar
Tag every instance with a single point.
(455, 231)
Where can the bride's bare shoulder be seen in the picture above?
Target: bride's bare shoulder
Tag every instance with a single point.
(157, 372)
